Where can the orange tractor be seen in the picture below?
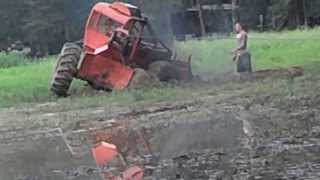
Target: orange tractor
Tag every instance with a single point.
(120, 50)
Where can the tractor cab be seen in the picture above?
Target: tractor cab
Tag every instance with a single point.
(120, 26)
(104, 20)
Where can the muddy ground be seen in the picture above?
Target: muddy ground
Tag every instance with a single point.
(257, 130)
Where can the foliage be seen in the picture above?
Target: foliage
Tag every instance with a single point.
(294, 13)
(11, 60)
(45, 24)
(40, 23)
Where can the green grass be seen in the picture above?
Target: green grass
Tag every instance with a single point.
(269, 50)
(25, 83)
(24, 80)
(103, 99)
(30, 83)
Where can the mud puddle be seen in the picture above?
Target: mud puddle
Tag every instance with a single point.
(217, 148)
(225, 147)
(40, 155)
(54, 154)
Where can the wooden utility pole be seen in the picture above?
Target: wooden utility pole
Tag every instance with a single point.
(202, 24)
(261, 20)
(305, 13)
(234, 11)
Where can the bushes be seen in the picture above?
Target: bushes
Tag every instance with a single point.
(11, 60)
(14, 59)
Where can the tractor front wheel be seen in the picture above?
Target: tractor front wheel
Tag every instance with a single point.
(65, 69)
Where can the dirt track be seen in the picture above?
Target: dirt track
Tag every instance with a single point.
(220, 135)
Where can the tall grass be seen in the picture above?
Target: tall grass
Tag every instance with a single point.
(286, 48)
(15, 59)
(269, 50)
(25, 83)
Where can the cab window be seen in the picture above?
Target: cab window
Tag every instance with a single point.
(106, 25)
(136, 29)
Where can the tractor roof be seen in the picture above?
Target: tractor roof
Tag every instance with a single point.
(118, 11)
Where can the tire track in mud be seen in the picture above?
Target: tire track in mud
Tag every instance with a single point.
(265, 145)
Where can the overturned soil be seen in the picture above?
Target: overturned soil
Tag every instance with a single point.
(224, 134)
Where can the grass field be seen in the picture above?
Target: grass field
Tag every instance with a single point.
(269, 50)
(26, 81)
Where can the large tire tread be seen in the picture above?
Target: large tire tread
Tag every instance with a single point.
(140, 79)
(65, 69)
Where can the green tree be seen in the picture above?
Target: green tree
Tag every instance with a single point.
(293, 13)
(11, 20)
(43, 24)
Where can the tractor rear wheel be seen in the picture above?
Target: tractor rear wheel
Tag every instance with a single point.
(140, 79)
(65, 69)
(164, 71)
(156, 69)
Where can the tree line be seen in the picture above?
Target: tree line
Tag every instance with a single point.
(44, 25)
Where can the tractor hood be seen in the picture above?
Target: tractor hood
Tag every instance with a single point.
(118, 11)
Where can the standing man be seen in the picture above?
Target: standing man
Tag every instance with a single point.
(242, 56)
